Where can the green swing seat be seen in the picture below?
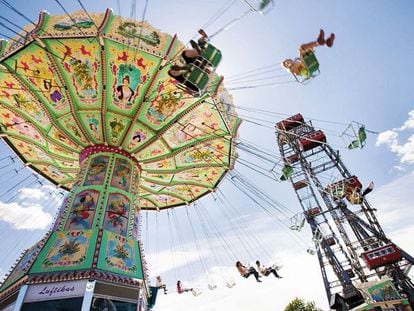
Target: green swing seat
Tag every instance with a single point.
(260, 6)
(287, 172)
(195, 81)
(360, 141)
(311, 65)
(211, 55)
(311, 62)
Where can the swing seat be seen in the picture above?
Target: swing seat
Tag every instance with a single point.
(311, 62)
(287, 172)
(311, 65)
(310, 251)
(260, 6)
(196, 291)
(195, 81)
(354, 144)
(298, 226)
(212, 286)
(362, 135)
(360, 141)
(210, 55)
(354, 136)
(276, 267)
(297, 222)
(230, 283)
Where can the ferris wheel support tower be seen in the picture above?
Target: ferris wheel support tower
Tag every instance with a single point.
(352, 249)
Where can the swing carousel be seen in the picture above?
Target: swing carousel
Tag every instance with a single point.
(86, 102)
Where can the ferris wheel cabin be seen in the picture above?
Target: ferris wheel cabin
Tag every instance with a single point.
(312, 140)
(291, 122)
(381, 256)
(343, 187)
(312, 212)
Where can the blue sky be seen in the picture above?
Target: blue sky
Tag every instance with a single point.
(366, 76)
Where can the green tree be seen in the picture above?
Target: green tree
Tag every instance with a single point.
(298, 304)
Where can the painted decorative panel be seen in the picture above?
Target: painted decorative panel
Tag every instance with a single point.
(121, 176)
(83, 210)
(67, 250)
(116, 215)
(96, 171)
(120, 255)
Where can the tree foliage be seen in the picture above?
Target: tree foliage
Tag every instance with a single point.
(298, 304)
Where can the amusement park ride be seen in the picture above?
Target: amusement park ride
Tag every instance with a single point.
(352, 249)
(88, 103)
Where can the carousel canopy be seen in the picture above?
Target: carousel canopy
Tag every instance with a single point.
(74, 81)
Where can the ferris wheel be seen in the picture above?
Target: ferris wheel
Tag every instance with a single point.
(350, 244)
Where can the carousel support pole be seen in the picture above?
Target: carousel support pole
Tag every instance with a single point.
(87, 299)
(20, 298)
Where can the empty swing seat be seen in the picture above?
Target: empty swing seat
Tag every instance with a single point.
(260, 6)
(230, 283)
(212, 286)
(362, 136)
(297, 222)
(287, 172)
(196, 291)
(359, 142)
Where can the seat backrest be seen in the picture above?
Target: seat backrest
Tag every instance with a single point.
(362, 134)
(197, 76)
(211, 55)
(153, 296)
(310, 61)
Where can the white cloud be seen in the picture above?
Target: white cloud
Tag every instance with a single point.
(25, 217)
(387, 138)
(32, 193)
(399, 168)
(394, 202)
(409, 124)
(40, 193)
(391, 138)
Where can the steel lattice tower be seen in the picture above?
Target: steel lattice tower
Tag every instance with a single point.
(350, 244)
